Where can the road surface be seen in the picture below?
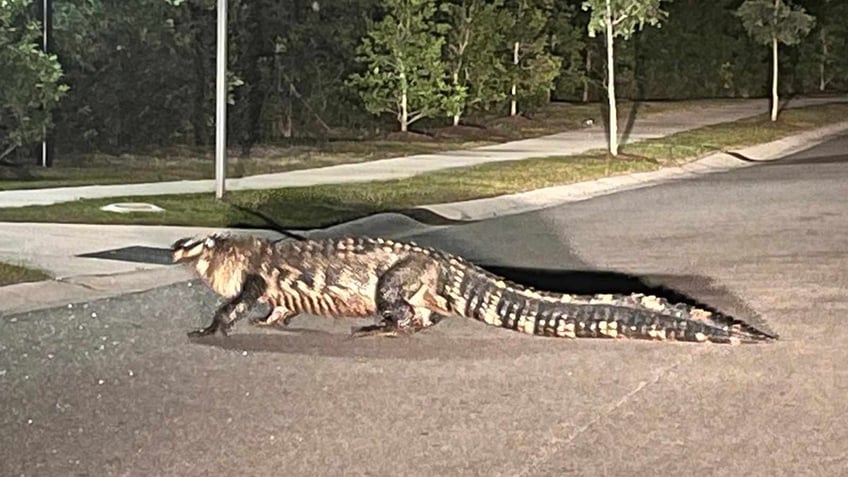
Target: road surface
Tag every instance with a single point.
(114, 387)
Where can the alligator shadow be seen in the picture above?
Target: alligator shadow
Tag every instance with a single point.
(582, 282)
(429, 344)
(336, 342)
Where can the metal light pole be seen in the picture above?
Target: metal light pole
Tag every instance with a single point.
(221, 103)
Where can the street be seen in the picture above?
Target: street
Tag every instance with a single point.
(114, 387)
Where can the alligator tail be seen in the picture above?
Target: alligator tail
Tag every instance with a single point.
(600, 320)
(483, 296)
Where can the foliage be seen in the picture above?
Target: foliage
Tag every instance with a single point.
(727, 63)
(537, 67)
(567, 42)
(628, 16)
(406, 74)
(142, 72)
(820, 63)
(30, 85)
(826, 54)
(293, 57)
(768, 20)
(472, 44)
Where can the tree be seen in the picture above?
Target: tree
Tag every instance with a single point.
(828, 54)
(294, 57)
(773, 22)
(29, 86)
(701, 51)
(471, 49)
(533, 68)
(619, 18)
(406, 74)
(142, 72)
(567, 41)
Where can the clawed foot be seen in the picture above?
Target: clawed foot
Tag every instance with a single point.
(388, 329)
(277, 317)
(261, 322)
(382, 329)
(201, 332)
(277, 322)
(209, 330)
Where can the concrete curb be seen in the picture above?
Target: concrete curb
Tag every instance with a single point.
(24, 297)
(510, 204)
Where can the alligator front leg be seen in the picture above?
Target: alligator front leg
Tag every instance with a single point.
(278, 316)
(234, 310)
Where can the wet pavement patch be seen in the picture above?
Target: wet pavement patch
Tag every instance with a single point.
(135, 253)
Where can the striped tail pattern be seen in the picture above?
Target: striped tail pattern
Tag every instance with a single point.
(478, 294)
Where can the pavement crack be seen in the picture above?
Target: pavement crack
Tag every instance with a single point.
(556, 444)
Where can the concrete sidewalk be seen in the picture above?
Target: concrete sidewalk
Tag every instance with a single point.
(566, 143)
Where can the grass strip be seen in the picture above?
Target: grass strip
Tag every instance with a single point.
(11, 274)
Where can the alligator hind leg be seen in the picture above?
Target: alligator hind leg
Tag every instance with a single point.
(381, 329)
(403, 294)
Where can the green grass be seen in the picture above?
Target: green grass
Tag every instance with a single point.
(186, 163)
(11, 274)
(688, 145)
(318, 206)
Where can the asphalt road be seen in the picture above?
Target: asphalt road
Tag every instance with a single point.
(114, 387)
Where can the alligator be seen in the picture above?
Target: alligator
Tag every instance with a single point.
(406, 288)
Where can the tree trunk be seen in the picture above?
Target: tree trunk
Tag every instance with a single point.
(586, 77)
(613, 113)
(774, 97)
(822, 80)
(288, 130)
(513, 105)
(456, 85)
(404, 111)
